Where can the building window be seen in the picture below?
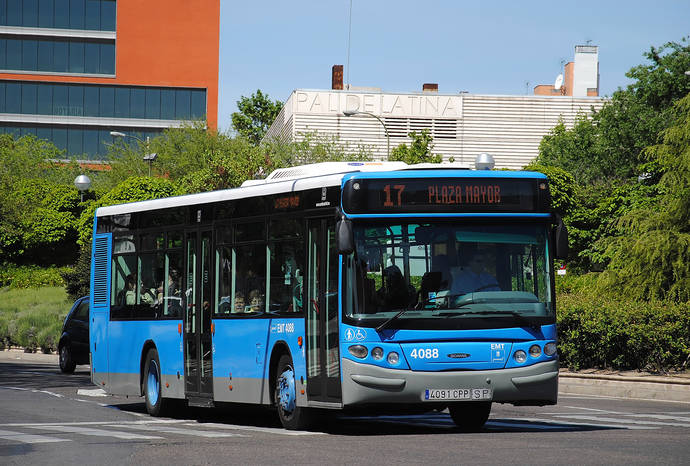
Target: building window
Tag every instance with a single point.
(83, 142)
(91, 15)
(102, 101)
(58, 55)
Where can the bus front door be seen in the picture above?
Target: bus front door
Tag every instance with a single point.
(198, 349)
(323, 359)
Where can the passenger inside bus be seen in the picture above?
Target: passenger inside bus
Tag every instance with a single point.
(239, 303)
(128, 295)
(473, 276)
(256, 302)
(394, 291)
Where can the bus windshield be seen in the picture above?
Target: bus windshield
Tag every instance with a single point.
(449, 275)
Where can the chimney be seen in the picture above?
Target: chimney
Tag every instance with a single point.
(337, 77)
(430, 87)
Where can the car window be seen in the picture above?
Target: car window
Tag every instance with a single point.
(82, 312)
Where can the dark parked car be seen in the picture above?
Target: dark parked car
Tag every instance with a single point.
(74, 341)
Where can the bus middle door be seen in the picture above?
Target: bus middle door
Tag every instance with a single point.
(198, 343)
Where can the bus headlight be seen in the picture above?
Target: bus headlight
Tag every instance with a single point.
(358, 351)
(535, 351)
(393, 358)
(550, 348)
(377, 353)
(520, 356)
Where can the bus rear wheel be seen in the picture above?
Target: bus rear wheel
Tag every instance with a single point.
(155, 404)
(292, 417)
(470, 416)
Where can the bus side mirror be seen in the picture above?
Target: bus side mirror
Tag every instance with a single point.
(344, 236)
(561, 239)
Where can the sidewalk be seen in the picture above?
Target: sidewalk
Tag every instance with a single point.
(630, 384)
(15, 354)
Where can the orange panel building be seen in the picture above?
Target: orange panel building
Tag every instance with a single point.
(72, 71)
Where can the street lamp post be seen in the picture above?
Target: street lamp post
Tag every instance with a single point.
(349, 113)
(149, 157)
(82, 183)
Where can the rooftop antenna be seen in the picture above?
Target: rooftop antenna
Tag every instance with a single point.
(349, 36)
(526, 87)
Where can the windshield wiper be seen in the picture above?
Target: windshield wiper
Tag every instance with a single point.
(391, 319)
(519, 317)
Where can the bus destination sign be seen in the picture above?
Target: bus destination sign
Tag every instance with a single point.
(444, 195)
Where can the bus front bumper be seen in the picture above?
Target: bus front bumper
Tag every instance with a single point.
(536, 384)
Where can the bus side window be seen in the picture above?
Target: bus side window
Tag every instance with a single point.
(285, 278)
(250, 272)
(123, 285)
(150, 279)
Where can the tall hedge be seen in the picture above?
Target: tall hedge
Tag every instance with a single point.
(595, 331)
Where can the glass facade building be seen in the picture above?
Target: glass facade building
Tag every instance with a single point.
(59, 80)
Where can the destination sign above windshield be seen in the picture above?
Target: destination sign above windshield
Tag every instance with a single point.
(445, 195)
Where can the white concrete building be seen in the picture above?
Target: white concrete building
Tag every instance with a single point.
(462, 125)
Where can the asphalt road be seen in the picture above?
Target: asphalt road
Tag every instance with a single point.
(50, 418)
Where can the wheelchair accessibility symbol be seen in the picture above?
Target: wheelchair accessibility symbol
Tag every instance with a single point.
(351, 334)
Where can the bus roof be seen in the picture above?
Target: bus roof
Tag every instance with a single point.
(305, 177)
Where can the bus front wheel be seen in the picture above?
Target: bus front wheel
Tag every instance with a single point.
(291, 416)
(152, 384)
(470, 416)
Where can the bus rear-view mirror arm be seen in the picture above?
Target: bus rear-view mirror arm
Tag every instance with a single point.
(344, 236)
(560, 238)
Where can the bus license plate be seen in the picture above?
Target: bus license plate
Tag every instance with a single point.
(431, 394)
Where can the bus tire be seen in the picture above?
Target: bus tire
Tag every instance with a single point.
(152, 385)
(470, 416)
(292, 417)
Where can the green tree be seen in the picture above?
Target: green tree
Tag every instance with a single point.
(198, 160)
(419, 151)
(571, 149)
(650, 251)
(255, 116)
(562, 186)
(38, 202)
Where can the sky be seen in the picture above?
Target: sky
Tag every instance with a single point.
(481, 46)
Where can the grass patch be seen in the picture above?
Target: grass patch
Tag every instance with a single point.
(32, 318)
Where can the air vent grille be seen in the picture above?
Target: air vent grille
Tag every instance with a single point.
(100, 277)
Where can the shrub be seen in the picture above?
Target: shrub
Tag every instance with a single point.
(14, 276)
(596, 331)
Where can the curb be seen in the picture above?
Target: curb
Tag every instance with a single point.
(654, 388)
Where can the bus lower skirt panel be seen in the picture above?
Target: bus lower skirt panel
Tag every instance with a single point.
(366, 384)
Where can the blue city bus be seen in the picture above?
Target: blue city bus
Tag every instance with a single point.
(362, 287)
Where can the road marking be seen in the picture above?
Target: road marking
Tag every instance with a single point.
(97, 432)
(94, 392)
(661, 416)
(28, 438)
(176, 430)
(269, 430)
(605, 397)
(603, 411)
(622, 421)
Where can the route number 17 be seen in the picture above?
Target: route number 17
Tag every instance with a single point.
(389, 202)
